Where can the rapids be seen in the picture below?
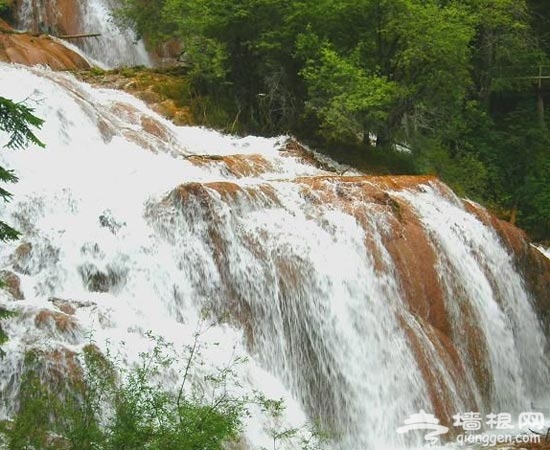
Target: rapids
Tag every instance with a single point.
(360, 300)
(115, 47)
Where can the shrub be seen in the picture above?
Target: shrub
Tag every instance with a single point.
(102, 405)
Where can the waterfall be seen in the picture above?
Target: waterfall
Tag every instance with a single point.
(115, 47)
(123, 50)
(360, 300)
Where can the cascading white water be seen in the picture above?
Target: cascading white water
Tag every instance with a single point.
(123, 49)
(322, 319)
(477, 270)
(115, 47)
(544, 250)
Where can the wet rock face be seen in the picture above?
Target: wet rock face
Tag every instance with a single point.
(22, 257)
(31, 44)
(426, 314)
(537, 270)
(96, 280)
(107, 220)
(52, 17)
(33, 50)
(56, 367)
(12, 284)
(237, 165)
(533, 265)
(57, 323)
(69, 306)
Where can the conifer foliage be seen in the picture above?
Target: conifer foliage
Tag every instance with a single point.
(17, 121)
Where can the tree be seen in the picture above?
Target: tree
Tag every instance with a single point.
(240, 53)
(395, 59)
(505, 45)
(103, 404)
(403, 68)
(7, 9)
(16, 119)
(449, 79)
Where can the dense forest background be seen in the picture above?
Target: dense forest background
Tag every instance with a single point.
(462, 84)
(457, 88)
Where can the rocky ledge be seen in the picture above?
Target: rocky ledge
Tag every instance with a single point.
(34, 49)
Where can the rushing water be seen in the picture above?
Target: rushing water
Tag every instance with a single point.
(124, 50)
(115, 47)
(122, 222)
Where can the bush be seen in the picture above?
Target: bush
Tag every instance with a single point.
(105, 406)
(100, 405)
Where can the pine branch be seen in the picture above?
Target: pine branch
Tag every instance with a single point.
(17, 119)
(7, 176)
(6, 196)
(8, 233)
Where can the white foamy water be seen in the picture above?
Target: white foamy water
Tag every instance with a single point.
(479, 275)
(115, 47)
(318, 316)
(544, 250)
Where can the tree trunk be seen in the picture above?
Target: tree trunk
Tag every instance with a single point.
(540, 102)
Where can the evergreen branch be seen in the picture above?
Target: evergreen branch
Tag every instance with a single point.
(8, 233)
(7, 176)
(6, 196)
(17, 119)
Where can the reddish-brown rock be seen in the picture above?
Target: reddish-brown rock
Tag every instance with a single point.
(531, 263)
(293, 148)
(167, 53)
(12, 284)
(236, 165)
(33, 50)
(64, 323)
(58, 367)
(58, 17)
(5, 26)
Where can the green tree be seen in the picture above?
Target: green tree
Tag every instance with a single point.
(505, 46)
(506, 133)
(402, 70)
(6, 9)
(450, 79)
(17, 120)
(146, 18)
(396, 60)
(240, 53)
(103, 405)
(245, 50)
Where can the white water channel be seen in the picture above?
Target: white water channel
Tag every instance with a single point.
(114, 47)
(316, 317)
